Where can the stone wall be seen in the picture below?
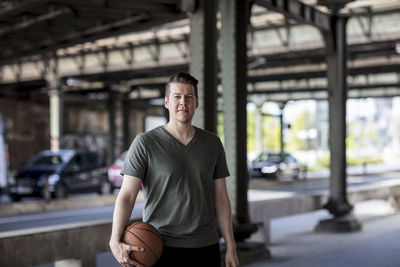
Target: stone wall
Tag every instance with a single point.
(26, 129)
(86, 126)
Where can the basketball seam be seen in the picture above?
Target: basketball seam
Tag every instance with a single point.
(133, 225)
(150, 230)
(144, 243)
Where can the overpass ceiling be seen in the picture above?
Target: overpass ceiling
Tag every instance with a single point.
(83, 34)
(29, 27)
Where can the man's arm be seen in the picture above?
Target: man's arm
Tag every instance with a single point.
(224, 216)
(122, 212)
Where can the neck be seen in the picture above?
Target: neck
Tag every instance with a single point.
(183, 132)
(181, 128)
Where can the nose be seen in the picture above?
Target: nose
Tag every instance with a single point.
(182, 101)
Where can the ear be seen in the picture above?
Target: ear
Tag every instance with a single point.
(197, 102)
(166, 102)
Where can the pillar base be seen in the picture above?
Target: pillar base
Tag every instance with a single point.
(345, 224)
(248, 252)
(243, 231)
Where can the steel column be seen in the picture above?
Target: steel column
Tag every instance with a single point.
(125, 121)
(338, 204)
(203, 62)
(234, 18)
(337, 94)
(281, 123)
(112, 125)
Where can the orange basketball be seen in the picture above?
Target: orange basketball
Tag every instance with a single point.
(146, 236)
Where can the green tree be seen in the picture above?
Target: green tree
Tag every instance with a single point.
(271, 133)
(251, 124)
(304, 121)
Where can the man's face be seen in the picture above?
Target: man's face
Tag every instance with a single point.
(181, 102)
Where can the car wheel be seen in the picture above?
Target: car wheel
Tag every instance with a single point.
(60, 191)
(106, 188)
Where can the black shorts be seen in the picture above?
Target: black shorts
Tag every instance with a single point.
(209, 256)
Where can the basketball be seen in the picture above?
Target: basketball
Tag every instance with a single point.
(143, 235)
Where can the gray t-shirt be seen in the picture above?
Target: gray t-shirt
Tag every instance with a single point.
(178, 184)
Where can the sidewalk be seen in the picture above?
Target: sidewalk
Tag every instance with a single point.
(294, 244)
(377, 245)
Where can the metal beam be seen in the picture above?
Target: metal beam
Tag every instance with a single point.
(42, 18)
(286, 75)
(19, 7)
(299, 11)
(135, 23)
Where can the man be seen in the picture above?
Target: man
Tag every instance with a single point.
(183, 170)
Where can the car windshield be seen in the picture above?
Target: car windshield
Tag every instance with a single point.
(268, 157)
(274, 158)
(50, 160)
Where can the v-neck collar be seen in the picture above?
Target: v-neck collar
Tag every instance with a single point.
(179, 142)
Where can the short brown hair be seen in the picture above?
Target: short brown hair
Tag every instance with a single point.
(184, 78)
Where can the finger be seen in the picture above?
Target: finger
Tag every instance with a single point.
(130, 263)
(136, 248)
(130, 260)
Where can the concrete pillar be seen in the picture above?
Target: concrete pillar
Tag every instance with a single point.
(56, 107)
(234, 18)
(203, 62)
(55, 101)
(338, 204)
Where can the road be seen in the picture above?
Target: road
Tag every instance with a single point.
(62, 217)
(313, 186)
(273, 190)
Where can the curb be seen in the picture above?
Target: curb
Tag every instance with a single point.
(12, 209)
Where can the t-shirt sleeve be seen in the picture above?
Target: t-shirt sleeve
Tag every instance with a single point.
(135, 164)
(221, 168)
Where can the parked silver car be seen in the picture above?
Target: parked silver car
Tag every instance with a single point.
(275, 166)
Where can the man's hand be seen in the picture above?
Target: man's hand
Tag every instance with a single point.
(121, 252)
(122, 212)
(231, 259)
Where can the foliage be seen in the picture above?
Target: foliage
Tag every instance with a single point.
(324, 162)
(251, 125)
(304, 121)
(271, 134)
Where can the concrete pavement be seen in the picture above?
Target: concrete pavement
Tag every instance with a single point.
(377, 245)
(294, 244)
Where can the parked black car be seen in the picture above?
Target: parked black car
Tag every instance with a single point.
(275, 166)
(66, 171)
